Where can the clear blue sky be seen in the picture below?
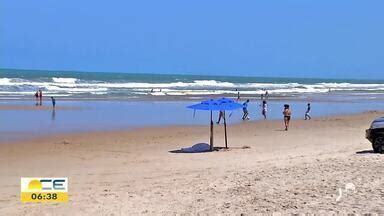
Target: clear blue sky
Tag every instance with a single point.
(294, 38)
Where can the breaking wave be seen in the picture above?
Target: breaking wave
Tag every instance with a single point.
(64, 80)
(69, 87)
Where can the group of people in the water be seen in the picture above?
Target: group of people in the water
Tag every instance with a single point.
(39, 99)
(264, 109)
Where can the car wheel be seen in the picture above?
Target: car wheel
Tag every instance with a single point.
(378, 145)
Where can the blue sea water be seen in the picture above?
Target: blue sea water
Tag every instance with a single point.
(21, 84)
(110, 101)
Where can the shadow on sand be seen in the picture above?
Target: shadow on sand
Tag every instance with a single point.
(365, 152)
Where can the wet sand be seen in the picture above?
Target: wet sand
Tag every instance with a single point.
(28, 107)
(22, 120)
(135, 172)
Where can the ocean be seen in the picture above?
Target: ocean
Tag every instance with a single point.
(113, 101)
(22, 84)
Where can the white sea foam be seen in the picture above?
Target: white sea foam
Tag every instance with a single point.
(196, 83)
(15, 93)
(5, 81)
(73, 86)
(99, 93)
(64, 80)
(158, 93)
(74, 90)
(203, 84)
(212, 83)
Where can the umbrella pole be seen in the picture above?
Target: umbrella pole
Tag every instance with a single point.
(211, 137)
(225, 131)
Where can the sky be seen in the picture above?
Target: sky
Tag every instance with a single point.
(275, 38)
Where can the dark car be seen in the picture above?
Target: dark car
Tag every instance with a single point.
(375, 134)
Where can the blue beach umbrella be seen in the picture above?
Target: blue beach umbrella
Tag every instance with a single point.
(210, 104)
(229, 104)
(222, 104)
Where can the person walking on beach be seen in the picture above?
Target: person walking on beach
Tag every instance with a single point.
(41, 97)
(245, 110)
(287, 116)
(307, 116)
(238, 95)
(266, 95)
(53, 102)
(264, 109)
(221, 115)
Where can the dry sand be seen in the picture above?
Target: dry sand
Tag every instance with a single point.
(133, 172)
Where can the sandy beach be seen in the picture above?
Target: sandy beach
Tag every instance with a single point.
(266, 170)
(103, 105)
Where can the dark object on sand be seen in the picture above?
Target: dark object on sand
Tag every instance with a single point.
(375, 134)
(200, 147)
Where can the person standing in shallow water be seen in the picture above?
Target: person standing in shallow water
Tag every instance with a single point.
(37, 95)
(287, 116)
(41, 97)
(307, 115)
(221, 115)
(245, 110)
(53, 102)
(264, 109)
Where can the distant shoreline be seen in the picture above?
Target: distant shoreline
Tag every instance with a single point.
(23, 119)
(27, 137)
(37, 108)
